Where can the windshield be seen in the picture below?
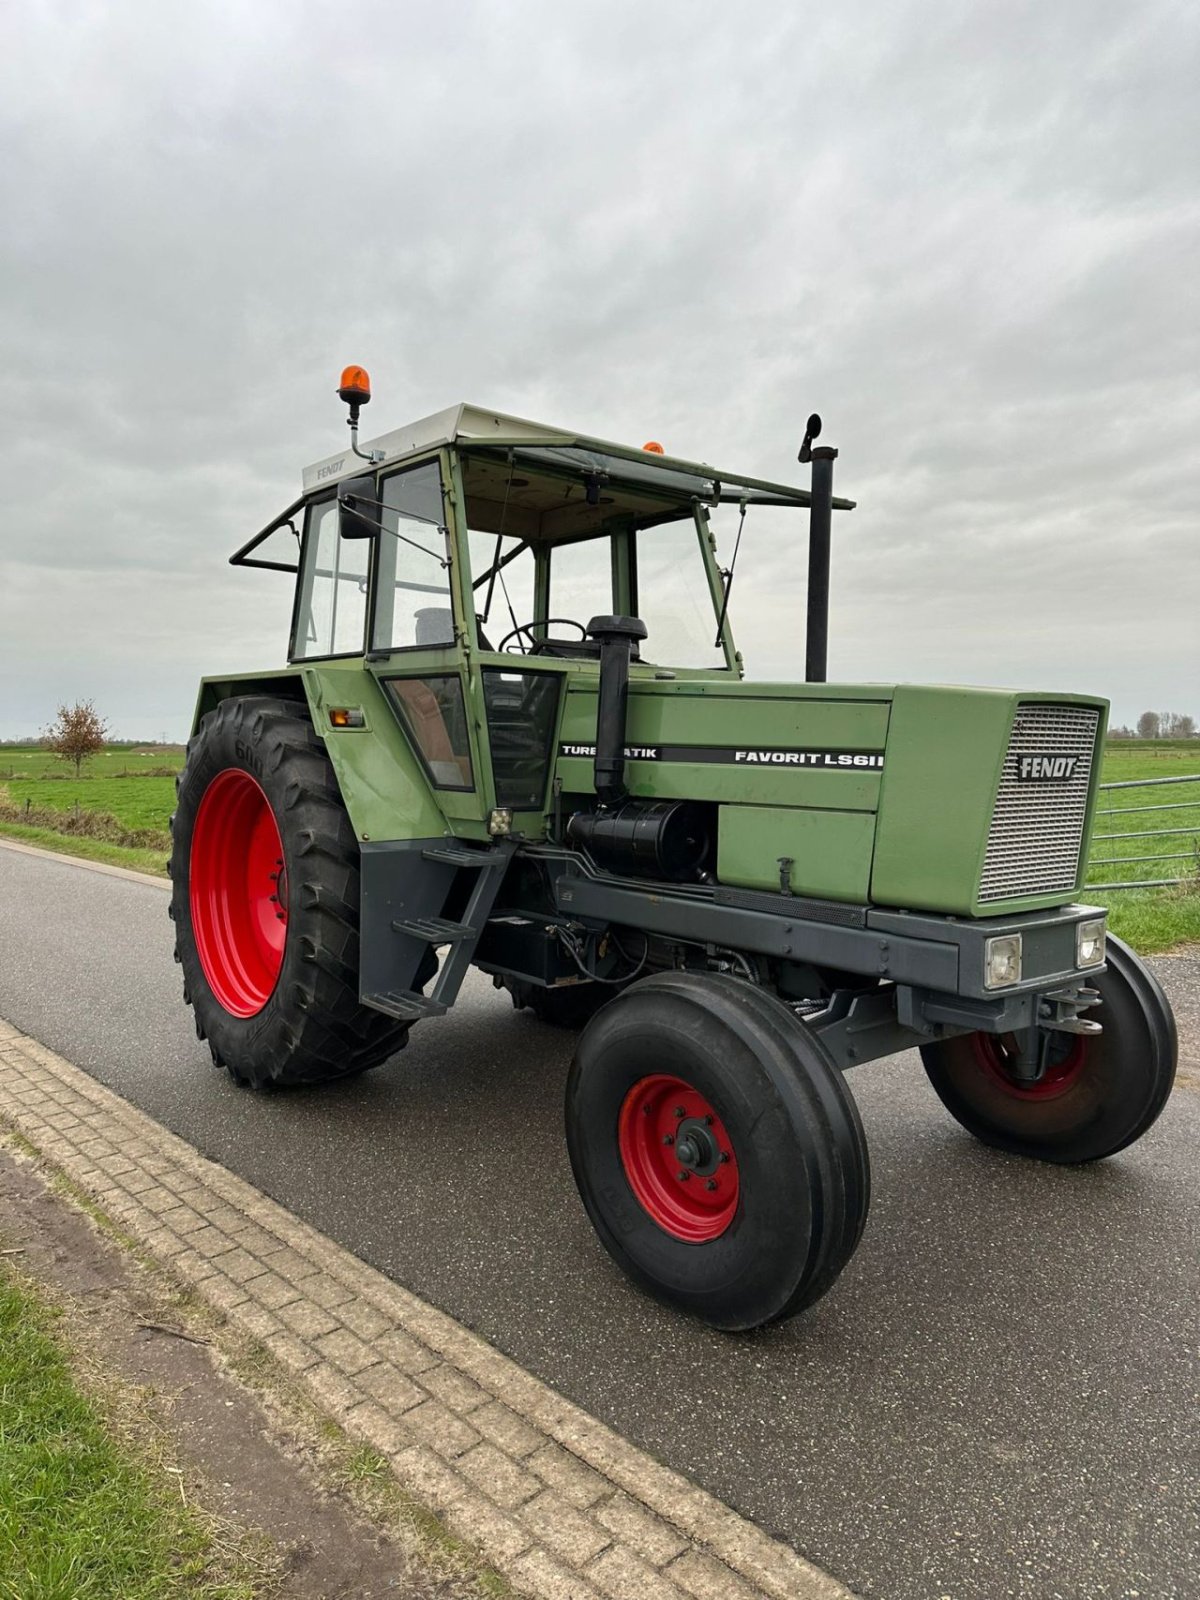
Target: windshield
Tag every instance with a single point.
(503, 575)
(674, 599)
(553, 536)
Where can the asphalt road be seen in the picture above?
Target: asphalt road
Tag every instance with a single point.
(998, 1398)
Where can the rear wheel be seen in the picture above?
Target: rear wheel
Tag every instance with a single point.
(716, 1148)
(1098, 1093)
(265, 891)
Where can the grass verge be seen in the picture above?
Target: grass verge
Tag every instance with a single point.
(1152, 920)
(82, 1517)
(67, 844)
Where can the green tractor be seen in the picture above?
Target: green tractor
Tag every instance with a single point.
(514, 734)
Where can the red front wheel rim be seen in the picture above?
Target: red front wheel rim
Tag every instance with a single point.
(238, 892)
(994, 1054)
(678, 1158)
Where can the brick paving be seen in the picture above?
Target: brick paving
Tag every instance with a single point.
(551, 1497)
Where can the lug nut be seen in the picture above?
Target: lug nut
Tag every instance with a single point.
(680, 1112)
(711, 1184)
(708, 1122)
(724, 1155)
(668, 1138)
(683, 1175)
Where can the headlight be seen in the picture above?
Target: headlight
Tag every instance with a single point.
(1002, 961)
(1089, 942)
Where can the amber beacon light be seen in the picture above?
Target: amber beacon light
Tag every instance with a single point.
(355, 391)
(355, 387)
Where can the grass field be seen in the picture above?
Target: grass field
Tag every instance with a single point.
(134, 784)
(131, 785)
(82, 1516)
(32, 761)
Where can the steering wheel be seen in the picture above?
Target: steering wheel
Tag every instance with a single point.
(526, 629)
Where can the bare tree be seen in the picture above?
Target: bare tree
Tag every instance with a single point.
(77, 733)
(1187, 727)
(1147, 725)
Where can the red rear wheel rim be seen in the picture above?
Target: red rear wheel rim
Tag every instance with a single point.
(238, 892)
(995, 1055)
(678, 1158)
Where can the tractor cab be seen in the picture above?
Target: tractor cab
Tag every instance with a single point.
(463, 560)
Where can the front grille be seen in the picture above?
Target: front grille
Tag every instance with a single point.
(1036, 836)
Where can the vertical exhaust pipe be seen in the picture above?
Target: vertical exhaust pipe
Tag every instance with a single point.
(820, 517)
(616, 637)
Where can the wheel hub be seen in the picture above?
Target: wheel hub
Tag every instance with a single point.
(678, 1158)
(696, 1148)
(1064, 1065)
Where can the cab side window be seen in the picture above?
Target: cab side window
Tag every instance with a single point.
(332, 613)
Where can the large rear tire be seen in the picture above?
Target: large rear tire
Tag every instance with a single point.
(716, 1148)
(265, 899)
(1098, 1093)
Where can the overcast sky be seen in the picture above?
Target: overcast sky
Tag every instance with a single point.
(967, 233)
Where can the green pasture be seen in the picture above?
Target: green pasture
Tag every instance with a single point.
(1149, 758)
(133, 783)
(142, 802)
(115, 760)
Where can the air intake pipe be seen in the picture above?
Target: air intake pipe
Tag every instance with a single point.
(616, 637)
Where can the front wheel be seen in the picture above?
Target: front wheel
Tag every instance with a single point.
(1098, 1093)
(716, 1149)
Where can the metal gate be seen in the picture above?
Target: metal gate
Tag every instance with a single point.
(1182, 843)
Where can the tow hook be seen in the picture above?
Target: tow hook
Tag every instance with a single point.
(1058, 1011)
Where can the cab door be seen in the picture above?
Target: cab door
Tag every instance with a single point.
(416, 632)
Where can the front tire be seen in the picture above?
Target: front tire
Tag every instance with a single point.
(716, 1149)
(1098, 1094)
(265, 899)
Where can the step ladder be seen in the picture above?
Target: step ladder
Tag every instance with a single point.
(488, 866)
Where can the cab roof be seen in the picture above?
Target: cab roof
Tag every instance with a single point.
(476, 428)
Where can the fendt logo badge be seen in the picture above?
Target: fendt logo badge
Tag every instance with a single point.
(1046, 769)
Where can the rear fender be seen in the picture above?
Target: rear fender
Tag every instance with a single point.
(383, 785)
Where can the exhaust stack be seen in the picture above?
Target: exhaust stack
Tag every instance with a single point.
(820, 516)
